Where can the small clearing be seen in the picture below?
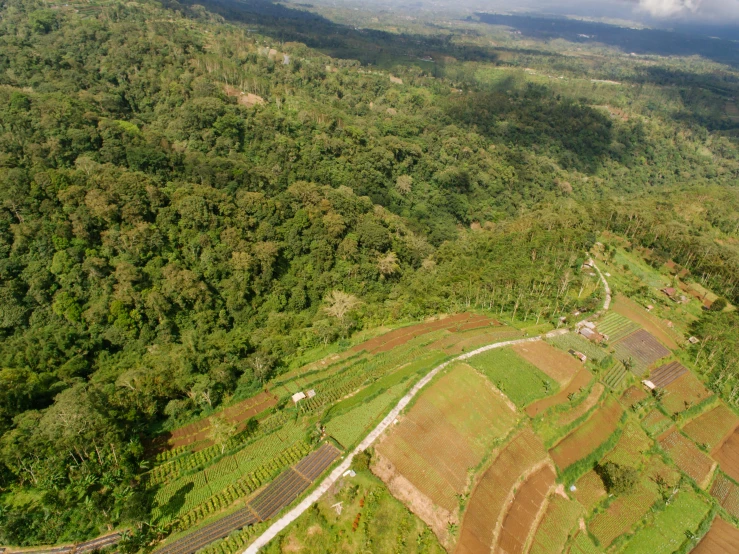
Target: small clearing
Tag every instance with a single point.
(560, 366)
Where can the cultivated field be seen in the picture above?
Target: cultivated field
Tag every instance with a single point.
(633, 396)
(626, 307)
(687, 457)
(667, 373)
(726, 492)
(683, 393)
(642, 349)
(589, 436)
(447, 432)
(670, 527)
(522, 382)
(655, 422)
(616, 326)
(558, 365)
(722, 538)
(488, 500)
(589, 490)
(578, 383)
(713, 427)
(728, 456)
(458, 342)
(631, 446)
(615, 376)
(574, 341)
(518, 523)
(559, 520)
(623, 513)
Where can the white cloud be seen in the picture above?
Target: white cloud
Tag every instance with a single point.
(716, 10)
(670, 8)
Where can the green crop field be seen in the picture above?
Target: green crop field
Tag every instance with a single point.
(579, 343)
(515, 377)
(616, 326)
(669, 528)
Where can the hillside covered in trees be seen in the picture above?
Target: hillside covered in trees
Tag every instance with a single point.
(188, 204)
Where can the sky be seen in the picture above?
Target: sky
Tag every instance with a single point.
(687, 11)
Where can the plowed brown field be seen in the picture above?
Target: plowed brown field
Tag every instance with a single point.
(521, 517)
(559, 365)
(628, 308)
(684, 392)
(488, 500)
(589, 436)
(728, 456)
(722, 538)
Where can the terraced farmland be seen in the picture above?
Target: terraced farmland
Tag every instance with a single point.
(713, 427)
(642, 349)
(574, 341)
(559, 366)
(616, 326)
(488, 499)
(726, 492)
(623, 513)
(683, 393)
(281, 492)
(687, 457)
(667, 373)
(670, 527)
(721, 539)
(728, 455)
(441, 438)
(615, 376)
(589, 436)
(559, 520)
(521, 516)
(522, 382)
(578, 384)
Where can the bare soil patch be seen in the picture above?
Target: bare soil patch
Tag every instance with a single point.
(712, 428)
(683, 393)
(560, 366)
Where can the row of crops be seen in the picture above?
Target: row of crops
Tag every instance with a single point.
(186, 461)
(204, 499)
(616, 326)
(262, 455)
(243, 487)
(351, 378)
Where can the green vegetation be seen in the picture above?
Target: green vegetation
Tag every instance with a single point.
(195, 200)
(515, 377)
(668, 529)
(369, 518)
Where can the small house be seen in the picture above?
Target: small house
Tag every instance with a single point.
(693, 340)
(591, 335)
(671, 293)
(649, 384)
(311, 393)
(298, 396)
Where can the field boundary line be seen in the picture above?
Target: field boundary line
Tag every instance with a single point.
(282, 523)
(606, 287)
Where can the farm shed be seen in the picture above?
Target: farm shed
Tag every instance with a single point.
(298, 396)
(671, 293)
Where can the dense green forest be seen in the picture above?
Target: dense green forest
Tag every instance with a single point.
(185, 202)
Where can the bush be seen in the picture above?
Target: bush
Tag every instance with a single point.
(617, 479)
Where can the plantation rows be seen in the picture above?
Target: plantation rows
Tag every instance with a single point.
(261, 463)
(615, 375)
(616, 326)
(261, 448)
(579, 343)
(234, 543)
(727, 493)
(351, 426)
(349, 380)
(243, 487)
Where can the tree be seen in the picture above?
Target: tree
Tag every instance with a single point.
(388, 264)
(718, 305)
(339, 304)
(221, 431)
(617, 479)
